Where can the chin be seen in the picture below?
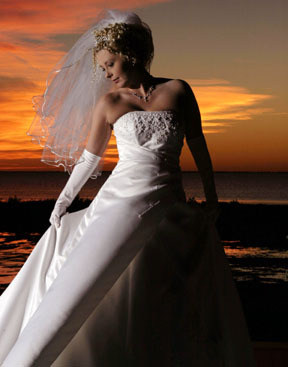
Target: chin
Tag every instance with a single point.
(123, 83)
(117, 84)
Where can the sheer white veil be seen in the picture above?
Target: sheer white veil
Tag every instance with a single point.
(64, 111)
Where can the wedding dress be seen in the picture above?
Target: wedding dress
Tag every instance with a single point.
(137, 278)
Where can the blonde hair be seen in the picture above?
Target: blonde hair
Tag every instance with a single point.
(133, 41)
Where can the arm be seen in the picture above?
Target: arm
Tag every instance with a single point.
(99, 136)
(197, 145)
(199, 150)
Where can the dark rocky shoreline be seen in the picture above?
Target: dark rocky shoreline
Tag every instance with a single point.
(260, 224)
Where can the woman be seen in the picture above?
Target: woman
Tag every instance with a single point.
(138, 277)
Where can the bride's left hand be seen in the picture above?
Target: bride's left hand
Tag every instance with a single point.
(212, 209)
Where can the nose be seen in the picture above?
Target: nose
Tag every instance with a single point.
(108, 75)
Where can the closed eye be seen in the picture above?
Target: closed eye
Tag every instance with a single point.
(110, 65)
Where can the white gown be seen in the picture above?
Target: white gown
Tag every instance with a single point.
(91, 294)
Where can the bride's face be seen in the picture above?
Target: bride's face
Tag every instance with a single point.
(114, 67)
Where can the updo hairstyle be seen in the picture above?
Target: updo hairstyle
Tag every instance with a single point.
(132, 41)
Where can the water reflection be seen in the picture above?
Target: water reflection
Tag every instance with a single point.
(14, 250)
(262, 264)
(248, 263)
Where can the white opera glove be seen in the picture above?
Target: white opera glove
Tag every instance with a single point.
(80, 174)
(199, 150)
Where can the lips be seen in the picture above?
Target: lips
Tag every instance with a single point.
(116, 80)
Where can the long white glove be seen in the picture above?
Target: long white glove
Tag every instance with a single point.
(80, 174)
(199, 150)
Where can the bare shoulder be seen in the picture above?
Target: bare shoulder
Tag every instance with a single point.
(181, 86)
(176, 84)
(103, 106)
(185, 93)
(177, 87)
(106, 101)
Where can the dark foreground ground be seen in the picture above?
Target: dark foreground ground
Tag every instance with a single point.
(260, 224)
(265, 305)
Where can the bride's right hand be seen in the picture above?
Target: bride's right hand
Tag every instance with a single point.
(58, 212)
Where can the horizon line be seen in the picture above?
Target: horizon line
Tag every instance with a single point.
(194, 171)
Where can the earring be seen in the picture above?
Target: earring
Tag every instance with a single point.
(133, 61)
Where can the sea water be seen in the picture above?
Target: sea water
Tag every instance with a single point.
(244, 187)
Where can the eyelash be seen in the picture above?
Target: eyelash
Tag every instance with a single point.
(108, 66)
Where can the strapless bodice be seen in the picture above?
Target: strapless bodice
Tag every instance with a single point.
(144, 135)
(149, 146)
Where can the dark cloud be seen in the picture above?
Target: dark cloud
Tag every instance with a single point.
(5, 99)
(16, 83)
(65, 40)
(112, 146)
(18, 14)
(31, 41)
(12, 151)
(23, 164)
(7, 46)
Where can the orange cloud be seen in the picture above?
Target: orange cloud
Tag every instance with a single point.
(16, 116)
(222, 104)
(35, 18)
(36, 34)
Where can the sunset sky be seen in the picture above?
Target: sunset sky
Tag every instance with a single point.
(233, 53)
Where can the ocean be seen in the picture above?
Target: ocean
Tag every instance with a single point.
(244, 187)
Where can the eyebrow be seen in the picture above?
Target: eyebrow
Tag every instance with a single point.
(106, 62)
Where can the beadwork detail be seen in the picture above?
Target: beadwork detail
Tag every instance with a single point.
(159, 129)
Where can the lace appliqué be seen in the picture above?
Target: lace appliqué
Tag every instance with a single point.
(160, 129)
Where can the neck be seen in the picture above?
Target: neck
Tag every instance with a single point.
(141, 81)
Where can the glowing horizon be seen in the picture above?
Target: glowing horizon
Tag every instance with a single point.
(244, 120)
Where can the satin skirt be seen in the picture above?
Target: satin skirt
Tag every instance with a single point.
(133, 279)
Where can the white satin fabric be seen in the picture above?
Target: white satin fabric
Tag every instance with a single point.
(91, 294)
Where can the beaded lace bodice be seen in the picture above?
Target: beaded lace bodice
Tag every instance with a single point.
(153, 130)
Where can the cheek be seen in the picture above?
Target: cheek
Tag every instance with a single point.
(125, 66)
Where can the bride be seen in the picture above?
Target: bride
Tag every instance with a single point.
(139, 277)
